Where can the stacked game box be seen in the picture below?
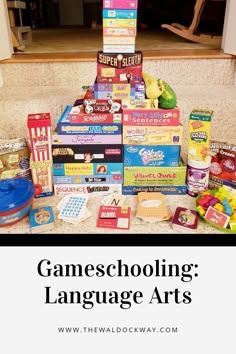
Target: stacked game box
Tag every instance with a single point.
(119, 66)
(152, 139)
(87, 150)
(119, 26)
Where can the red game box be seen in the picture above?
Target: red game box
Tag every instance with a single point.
(119, 68)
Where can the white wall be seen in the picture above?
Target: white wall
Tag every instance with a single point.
(6, 48)
(229, 41)
(71, 12)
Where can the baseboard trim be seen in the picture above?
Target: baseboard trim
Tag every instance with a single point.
(92, 56)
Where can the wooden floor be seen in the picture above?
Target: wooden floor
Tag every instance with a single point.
(79, 44)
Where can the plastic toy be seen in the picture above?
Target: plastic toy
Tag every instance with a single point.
(157, 88)
(223, 201)
(227, 207)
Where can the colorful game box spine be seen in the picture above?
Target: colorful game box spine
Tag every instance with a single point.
(158, 116)
(119, 32)
(119, 91)
(103, 179)
(86, 139)
(118, 48)
(93, 129)
(100, 189)
(120, 4)
(119, 22)
(87, 153)
(134, 190)
(118, 40)
(90, 169)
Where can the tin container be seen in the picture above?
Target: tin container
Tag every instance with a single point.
(16, 195)
(197, 176)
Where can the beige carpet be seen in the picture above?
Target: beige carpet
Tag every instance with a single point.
(74, 39)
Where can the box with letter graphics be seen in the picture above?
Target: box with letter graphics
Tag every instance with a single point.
(151, 155)
(155, 176)
(152, 135)
(100, 189)
(119, 68)
(153, 116)
(65, 127)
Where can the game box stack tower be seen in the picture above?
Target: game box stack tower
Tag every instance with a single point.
(87, 150)
(152, 139)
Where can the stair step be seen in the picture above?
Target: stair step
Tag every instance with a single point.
(18, 102)
(76, 74)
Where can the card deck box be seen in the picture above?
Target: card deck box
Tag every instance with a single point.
(39, 127)
(87, 153)
(199, 134)
(41, 219)
(185, 220)
(146, 103)
(151, 155)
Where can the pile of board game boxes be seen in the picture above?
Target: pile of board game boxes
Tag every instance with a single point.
(113, 138)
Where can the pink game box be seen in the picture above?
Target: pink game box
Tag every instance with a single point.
(120, 4)
(170, 117)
